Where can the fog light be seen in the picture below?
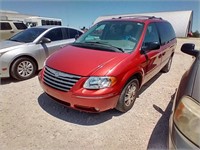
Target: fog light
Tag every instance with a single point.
(97, 109)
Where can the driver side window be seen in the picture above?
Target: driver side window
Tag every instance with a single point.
(151, 34)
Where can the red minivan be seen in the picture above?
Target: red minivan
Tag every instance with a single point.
(105, 67)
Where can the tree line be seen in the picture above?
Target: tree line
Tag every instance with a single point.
(196, 34)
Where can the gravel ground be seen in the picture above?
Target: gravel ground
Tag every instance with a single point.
(29, 120)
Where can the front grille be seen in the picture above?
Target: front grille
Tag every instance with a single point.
(59, 80)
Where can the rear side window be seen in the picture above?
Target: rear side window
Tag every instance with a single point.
(44, 22)
(54, 35)
(59, 23)
(73, 33)
(20, 26)
(5, 26)
(70, 33)
(166, 32)
(50, 22)
(151, 34)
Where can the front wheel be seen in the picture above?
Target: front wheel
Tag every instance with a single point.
(23, 68)
(128, 96)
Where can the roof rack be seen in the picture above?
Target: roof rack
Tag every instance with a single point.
(143, 17)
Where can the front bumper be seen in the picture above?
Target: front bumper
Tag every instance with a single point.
(96, 102)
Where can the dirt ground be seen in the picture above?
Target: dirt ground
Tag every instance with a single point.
(30, 120)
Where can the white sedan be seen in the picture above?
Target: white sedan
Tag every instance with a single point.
(24, 53)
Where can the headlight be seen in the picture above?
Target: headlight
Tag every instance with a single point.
(187, 119)
(99, 82)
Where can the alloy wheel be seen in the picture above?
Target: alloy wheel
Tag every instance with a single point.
(25, 68)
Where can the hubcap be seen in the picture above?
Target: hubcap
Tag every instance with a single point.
(130, 94)
(25, 68)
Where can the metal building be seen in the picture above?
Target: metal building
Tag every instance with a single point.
(29, 20)
(13, 15)
(180, 20)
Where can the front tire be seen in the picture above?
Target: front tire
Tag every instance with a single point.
(23, 68)
(128, 96)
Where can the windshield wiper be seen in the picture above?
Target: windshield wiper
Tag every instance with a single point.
(107, 45)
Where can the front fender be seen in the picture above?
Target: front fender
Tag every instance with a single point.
(133, 66)
(7, 58)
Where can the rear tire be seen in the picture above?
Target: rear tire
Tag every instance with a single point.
(128, 96)
(167, 67)
(23, 68)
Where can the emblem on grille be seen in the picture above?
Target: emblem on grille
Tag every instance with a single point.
(56, 74)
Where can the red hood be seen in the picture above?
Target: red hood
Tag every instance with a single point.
(84, 62)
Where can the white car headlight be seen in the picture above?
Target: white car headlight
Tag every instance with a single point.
(187, 118)
(99, 82)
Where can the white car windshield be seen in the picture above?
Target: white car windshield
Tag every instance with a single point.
(121, 35)
(28, 35)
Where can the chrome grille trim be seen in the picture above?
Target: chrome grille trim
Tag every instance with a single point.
(59, 80)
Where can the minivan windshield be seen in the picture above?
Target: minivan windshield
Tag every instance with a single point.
(119, 36)
(28, 35)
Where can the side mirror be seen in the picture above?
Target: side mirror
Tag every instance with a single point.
(188, 48)
(44, 40)
(189, 34)
(148, 46)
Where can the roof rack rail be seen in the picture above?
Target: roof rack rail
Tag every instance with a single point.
(147, 17)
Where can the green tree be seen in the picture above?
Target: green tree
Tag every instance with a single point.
(196, 34)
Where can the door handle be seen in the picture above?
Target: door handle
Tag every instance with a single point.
(163, 53)
(12, 31)
(62, 46)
